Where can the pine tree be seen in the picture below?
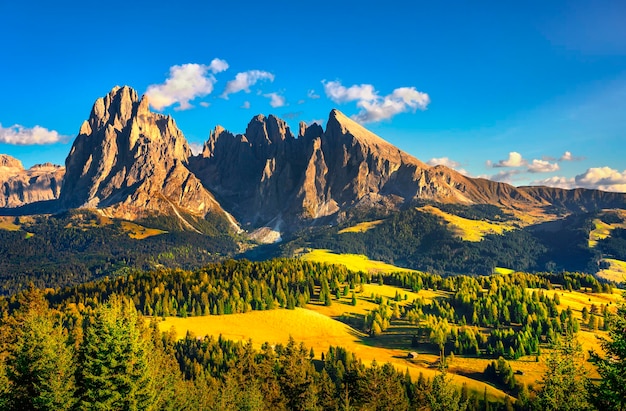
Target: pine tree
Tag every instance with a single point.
(114, 371)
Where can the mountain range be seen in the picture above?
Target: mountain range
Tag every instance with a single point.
(130, 163)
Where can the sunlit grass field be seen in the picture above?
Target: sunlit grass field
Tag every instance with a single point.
(469, 230)
(361, 227)
(319, 326)
(319, 331)
(616, 271)
(8, 223)
(139, 232)
(354, 262)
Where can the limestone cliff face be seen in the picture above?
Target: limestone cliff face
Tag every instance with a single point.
(18, 187)
(130, 162)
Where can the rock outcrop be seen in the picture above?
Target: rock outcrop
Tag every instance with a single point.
(129, 163)
(19, 187)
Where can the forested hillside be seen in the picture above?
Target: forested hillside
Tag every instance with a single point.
(416, 239)
(76, 247)
(57, 347)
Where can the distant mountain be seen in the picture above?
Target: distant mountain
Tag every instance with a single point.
(130, 163)
(18, 187)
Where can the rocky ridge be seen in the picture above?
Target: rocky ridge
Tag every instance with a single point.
(129, 162)
(19, 187)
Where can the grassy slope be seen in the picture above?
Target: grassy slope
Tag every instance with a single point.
(355, 262)
(603, 230)
(361, 227)
(321, 331)
(324, 328)
(616, 271)
(139, 232)
(469, 230)
(7, 223)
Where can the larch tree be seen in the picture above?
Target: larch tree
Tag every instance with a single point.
(40, 363)
(563, 385)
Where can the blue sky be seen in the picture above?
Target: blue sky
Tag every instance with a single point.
(525, 93)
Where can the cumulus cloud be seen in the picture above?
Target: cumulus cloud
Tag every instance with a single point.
(244, 80)
(515, 160)
(373, 106)
(341, 94)
(602, 178)
(542, 166)
(599, 178)
(218, 65)
(23, 136)
(185, 83)
(205, 104)
(246, 105)
(276, 100)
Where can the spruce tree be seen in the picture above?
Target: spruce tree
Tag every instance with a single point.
(114, 371)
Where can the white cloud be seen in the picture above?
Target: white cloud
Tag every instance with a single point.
(205, 104)
(243, 81)
(505, 176)
(556, 181)
(218, 65)
(374, 107)
(23, 136)
(567, 156)
(599, 178)
(602, 178)
(246, 104)
(196, 148)
(542, 166)
(444, 161)
(185, 83)
(312, 94)
(276, 100)
(515, 160)
(340, 94)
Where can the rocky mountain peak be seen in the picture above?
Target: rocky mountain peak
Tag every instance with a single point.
(267, 130)
(10, 162)
(131, 162)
